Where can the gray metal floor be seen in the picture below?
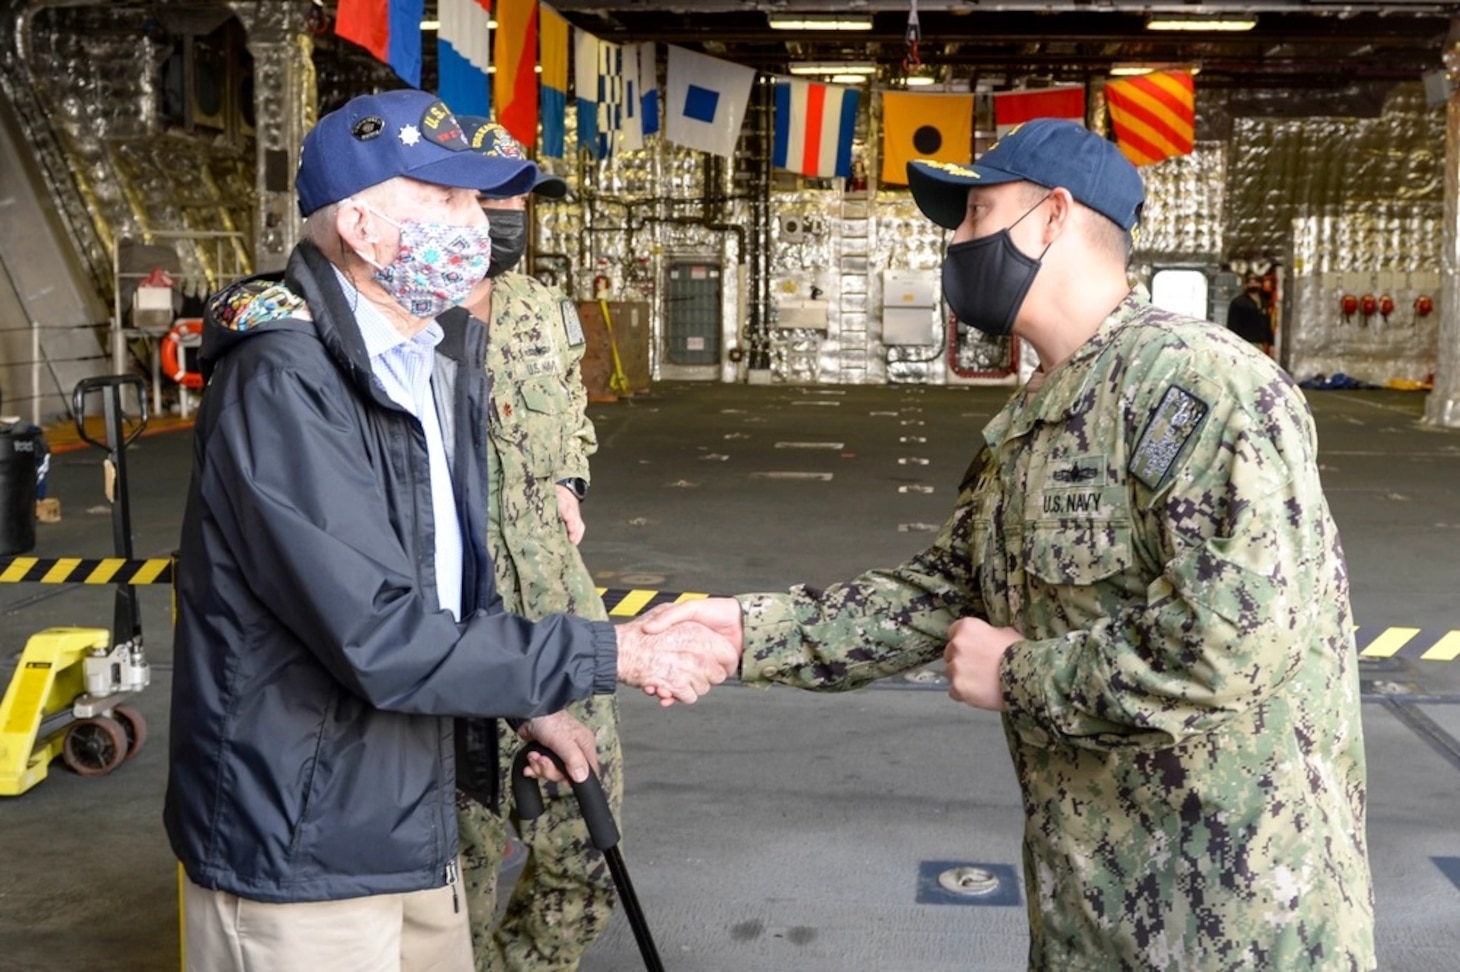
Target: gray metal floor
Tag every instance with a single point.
(780, 830)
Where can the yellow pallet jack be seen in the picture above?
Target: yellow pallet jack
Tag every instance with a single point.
(67, 697)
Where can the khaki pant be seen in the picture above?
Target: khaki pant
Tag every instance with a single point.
(416, 932)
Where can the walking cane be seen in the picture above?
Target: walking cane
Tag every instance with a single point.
(601, 830)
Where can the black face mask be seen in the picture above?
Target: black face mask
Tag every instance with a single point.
(508, 229)
(985, 280)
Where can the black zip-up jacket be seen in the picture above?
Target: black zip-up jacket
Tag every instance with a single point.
(315, 678)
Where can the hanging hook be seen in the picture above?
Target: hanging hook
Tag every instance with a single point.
(913, 61)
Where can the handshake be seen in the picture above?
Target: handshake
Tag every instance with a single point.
(678, 651)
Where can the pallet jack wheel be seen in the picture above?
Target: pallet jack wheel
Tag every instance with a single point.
(94, 747)
(135, 727)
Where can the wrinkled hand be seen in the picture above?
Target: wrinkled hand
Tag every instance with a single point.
(720, 614)
(574, 743)
(974, 651)
(678, 664)
(571, 514)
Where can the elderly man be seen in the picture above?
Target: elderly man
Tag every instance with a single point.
(1142, 575)
(335, 605)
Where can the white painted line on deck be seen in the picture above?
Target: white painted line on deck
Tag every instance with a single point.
(810, 445)
(808, 476)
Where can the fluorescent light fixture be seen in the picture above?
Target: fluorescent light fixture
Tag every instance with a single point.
(920, 80)
(849, 79)
(1164, 22)
(862, 69)
(812, 22)
(1130, 70)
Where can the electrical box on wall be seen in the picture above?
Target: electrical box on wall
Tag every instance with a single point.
(909, 307)
(910, 288)
(802, 313)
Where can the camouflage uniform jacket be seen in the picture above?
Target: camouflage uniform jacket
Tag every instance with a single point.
(1184, 712)
(538, 433)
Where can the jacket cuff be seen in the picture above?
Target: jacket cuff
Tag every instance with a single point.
(772, 637)
(1022, 674)
(605, 658)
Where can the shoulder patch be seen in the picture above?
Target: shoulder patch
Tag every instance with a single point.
(572, 326)
(1171, 426)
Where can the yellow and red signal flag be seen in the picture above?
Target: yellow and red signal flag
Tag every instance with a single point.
(1154, 115)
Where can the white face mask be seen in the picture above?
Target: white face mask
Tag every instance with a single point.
(437, 266)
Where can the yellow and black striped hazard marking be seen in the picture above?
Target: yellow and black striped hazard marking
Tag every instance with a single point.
(620, 602)
(77, 570)
(1409, 643)
(631, 603)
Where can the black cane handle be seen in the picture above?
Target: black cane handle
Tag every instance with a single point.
(591, 800)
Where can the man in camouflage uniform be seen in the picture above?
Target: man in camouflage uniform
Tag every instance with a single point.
(1142, 574)
(539, 439)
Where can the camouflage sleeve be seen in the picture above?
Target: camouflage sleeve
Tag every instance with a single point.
(1240, 532)
(581, 439)
(875, 625)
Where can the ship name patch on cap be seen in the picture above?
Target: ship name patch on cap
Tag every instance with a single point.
(1171, 426)
(367, 128)
(440, 126)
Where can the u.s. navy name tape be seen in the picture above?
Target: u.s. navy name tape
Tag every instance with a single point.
(624, 602)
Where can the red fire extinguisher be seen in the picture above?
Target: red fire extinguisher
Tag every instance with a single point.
(1349, 304)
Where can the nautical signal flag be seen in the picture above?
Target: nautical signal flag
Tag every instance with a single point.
(648, 89)
(464, 52)
(514, 88)
(924, 126)
(814, 125)
(553, 49)
(1154, 115)
(1013, 108)
(586, 89)
(705, 101)
(618, 100)
(389, 29)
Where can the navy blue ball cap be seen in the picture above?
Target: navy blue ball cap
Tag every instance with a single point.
(495, 142)
(1052, 152)
(406, 132)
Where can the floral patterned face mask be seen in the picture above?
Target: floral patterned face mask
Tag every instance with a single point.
(437, 266)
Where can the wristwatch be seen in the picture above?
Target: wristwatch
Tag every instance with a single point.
(578, 485)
